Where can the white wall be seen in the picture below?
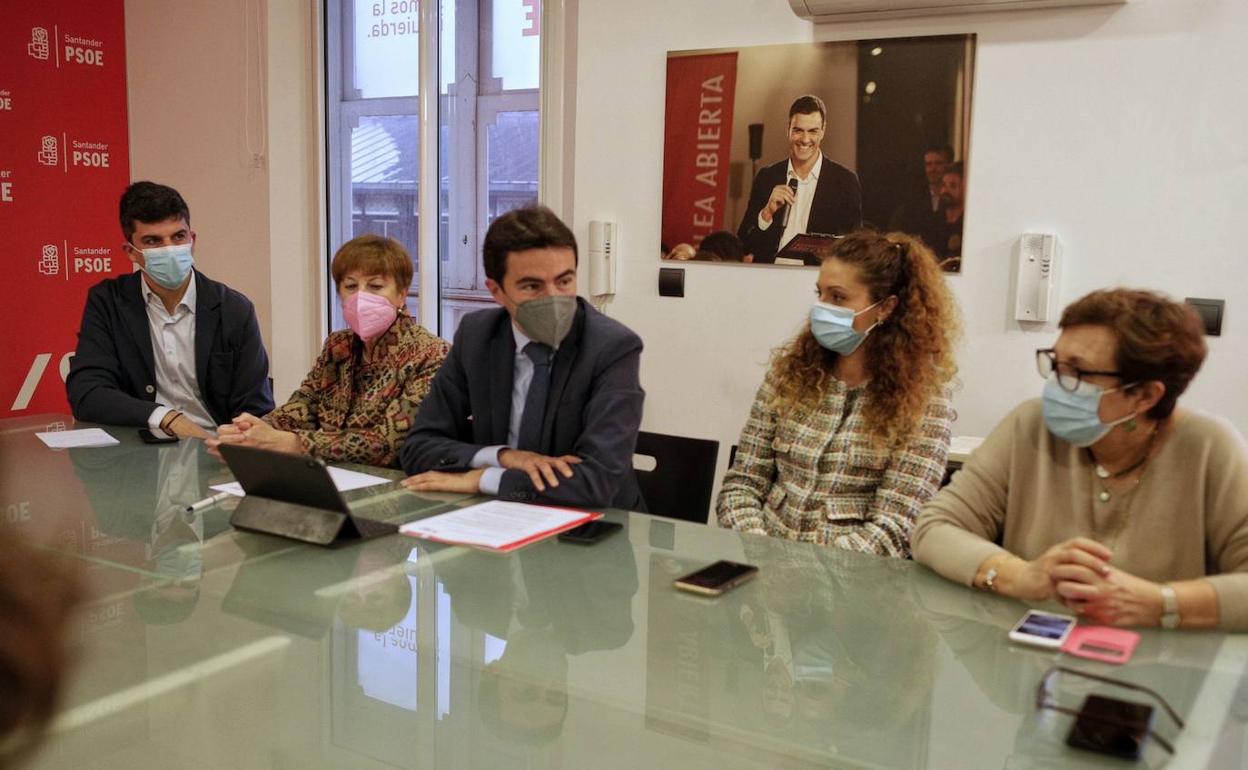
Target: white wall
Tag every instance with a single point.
(222, 100)
(186, 72)
(1119, 128)
(298, 243)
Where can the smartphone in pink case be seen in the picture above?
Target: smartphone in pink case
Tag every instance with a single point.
(1108, 645)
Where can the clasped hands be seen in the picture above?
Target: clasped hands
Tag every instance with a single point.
(248, 430)
(1078, 574)
(542, 470)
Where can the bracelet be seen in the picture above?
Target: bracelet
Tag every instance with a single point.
(170, 416)
(993, 573)
(990, 580)
(1169, 608)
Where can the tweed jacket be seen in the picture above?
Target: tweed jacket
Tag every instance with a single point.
(357, 411)
(811, 474)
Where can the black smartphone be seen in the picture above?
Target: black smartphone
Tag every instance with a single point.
(590, 533)
(717, 578)
(1111, 726)
(151, 438)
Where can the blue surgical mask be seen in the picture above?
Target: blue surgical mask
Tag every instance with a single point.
(168, 265)
(833, 327)
(1075, 417)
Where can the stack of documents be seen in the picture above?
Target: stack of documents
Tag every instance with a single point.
(498, 525)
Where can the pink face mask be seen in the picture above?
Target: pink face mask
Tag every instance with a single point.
(368, 315)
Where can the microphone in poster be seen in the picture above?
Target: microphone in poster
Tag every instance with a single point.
(789, 208)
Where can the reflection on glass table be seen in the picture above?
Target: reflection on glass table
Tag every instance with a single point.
(401, 653)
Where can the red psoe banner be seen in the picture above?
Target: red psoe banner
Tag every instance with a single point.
(697, 139)
(64, 162)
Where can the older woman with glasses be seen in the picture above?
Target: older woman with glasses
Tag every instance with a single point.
(1101, 494)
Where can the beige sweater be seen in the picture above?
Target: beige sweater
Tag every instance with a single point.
(1023, 490)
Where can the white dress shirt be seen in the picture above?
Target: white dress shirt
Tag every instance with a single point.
(173, 352)
(179, 557)
(799, 217)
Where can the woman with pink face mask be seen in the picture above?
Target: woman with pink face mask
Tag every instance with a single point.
(360, 398)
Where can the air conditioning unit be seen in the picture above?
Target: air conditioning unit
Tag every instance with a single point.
(854, 10)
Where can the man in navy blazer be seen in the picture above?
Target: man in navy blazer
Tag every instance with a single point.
(807, 193)
(166, 348)
(539, 400)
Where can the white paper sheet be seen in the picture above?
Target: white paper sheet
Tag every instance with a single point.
(960, 447)
(85, 437)
(347, 480)
(495, 524)
(344, 480)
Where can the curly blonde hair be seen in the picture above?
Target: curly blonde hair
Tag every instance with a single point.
(909, 355)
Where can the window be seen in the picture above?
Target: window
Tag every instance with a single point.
(487, 131)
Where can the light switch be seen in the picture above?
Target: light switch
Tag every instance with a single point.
(1210, 311)
(671, 282)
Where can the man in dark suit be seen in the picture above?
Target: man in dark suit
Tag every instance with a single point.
(947, 234)
(166, 348)
(547, 610)
(139, 495)
(920, 214)
(539, 400)
(828, 198)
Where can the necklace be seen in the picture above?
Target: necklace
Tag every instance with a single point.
(1103, 474)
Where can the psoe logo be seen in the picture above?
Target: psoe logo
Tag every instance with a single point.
(6, 100)
(50, 260)
(80, 50)
(49, 152)
(38, 47)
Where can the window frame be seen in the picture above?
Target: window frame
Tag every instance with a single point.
(469, 196)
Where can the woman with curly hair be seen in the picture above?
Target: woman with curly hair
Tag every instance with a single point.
(848, 434)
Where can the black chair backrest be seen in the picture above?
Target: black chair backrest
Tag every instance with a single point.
(680, 485)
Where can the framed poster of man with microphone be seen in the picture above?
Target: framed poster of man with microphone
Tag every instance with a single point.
(772, 151)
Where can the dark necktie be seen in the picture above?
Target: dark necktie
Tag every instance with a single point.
(530, 437)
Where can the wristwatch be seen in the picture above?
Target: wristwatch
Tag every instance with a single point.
(1169, 608)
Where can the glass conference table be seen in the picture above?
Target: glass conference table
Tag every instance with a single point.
(205, 647)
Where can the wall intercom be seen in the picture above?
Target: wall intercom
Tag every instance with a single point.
(1036, 284)
(603, 249)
